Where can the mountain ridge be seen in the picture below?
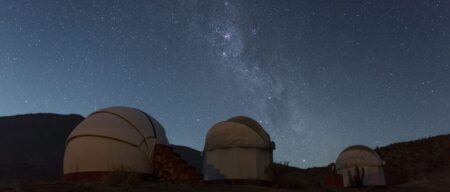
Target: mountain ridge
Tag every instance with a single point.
(34, 144)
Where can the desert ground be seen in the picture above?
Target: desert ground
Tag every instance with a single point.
(416, 186)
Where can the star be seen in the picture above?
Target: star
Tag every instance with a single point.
(227, 36)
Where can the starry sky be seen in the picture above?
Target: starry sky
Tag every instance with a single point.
(318, 75)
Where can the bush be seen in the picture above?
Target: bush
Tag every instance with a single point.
(122, 177)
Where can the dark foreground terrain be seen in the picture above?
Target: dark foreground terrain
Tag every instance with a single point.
(417, 186)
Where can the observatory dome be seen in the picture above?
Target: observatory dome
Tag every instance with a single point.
(360, 161)
(358, 155)
(238, 148)
(237, 132)
(110, 139)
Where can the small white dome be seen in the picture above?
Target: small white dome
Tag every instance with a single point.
(358, 155)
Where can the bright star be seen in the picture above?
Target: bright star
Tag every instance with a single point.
(227, 36)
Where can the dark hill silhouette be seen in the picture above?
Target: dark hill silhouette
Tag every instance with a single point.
(423, 159)
(193, 157)
(32, 145)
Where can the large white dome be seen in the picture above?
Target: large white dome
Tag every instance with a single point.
(113, 138)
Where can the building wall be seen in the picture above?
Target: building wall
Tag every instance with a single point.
(236, 163)
(96, 154)
(373, 176)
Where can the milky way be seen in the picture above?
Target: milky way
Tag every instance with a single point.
(318, 75)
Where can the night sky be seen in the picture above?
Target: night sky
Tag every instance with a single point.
(318, 75)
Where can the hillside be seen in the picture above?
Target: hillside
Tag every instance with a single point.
(424, 159)
(34, 144)
(191, 156)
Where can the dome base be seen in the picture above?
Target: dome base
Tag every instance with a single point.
(98, 176)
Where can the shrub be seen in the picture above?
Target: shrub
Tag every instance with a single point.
(122, 177)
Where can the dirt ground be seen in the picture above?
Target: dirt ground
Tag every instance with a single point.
(439, 185)
(159, 187)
